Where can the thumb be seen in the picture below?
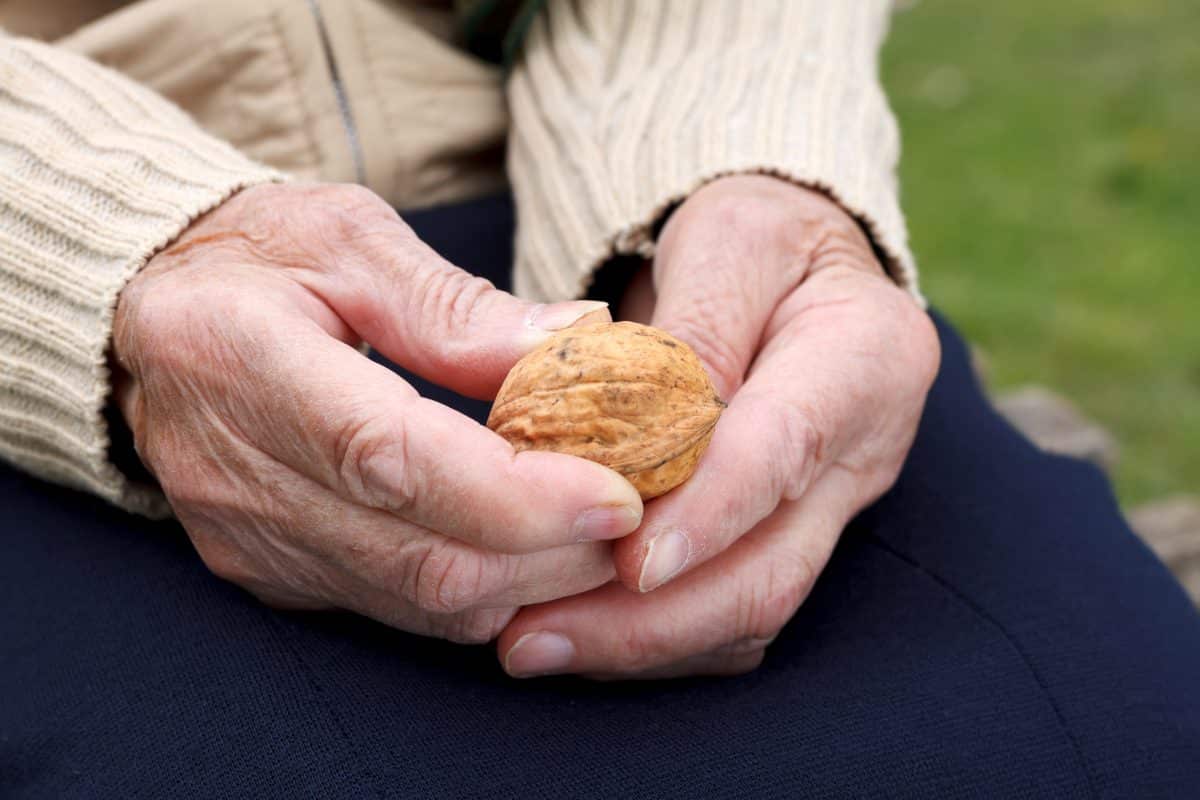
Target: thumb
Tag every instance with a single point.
(717, 279)
(459, 331)
(425, 314)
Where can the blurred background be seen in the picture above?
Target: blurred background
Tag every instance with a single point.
(1051, 178)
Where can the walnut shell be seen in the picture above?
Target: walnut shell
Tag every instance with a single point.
(628, 396)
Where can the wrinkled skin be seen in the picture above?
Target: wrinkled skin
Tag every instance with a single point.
(315, 478)
(825, 364)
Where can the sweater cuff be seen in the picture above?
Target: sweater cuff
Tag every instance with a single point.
(97, 174)
(621, 110)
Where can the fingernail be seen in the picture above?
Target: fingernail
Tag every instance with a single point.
(606, 522)
(667, 554)
(540, 653)
(557, 316)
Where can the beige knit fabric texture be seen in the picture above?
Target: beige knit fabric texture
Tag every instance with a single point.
(620, 109)
(96, 175)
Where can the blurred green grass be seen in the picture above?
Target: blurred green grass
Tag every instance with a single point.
(1051, 178)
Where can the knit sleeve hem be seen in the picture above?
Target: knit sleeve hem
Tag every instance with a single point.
(621, 112)
(97, 174)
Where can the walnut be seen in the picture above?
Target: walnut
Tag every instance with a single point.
(628, 396)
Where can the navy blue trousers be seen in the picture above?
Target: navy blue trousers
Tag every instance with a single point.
(989, 628)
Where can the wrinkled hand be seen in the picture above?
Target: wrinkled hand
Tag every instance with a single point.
(825, 364)
(314, 477)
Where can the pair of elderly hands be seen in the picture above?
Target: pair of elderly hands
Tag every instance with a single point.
(315, 478)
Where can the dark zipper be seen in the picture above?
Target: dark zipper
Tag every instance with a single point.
(339, 91)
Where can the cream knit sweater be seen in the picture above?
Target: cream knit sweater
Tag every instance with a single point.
(619, 109)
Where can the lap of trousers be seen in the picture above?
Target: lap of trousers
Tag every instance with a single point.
(989, 628)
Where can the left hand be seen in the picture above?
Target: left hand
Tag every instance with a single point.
(825, 364)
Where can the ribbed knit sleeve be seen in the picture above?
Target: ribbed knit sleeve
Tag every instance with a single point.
(96, 175)
(622, 108)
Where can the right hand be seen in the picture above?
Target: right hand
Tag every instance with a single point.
(312, 476)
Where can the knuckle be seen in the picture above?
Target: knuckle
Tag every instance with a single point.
(447, 580)
(452, 301)
(716, 352)
(766, 605)
(799, 447)
(370, 459)
(640, 649)
(476, 627)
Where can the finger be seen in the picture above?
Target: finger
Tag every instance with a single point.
(746, 596)
(419, 310)
(438, 575)
(474, 626)
(735, 659)
(357, 428)
(726, 258)
(831, 380)
(299, 545)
